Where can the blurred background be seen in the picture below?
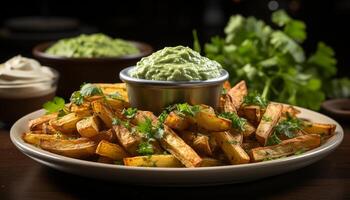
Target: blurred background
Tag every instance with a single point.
(163, 23)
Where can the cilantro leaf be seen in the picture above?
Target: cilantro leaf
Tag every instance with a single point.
(145, 148)
(129, 112)
(77, 98)
(89, 89)
(254, 98)
(238, 123)
(56, 105)
(185, 109)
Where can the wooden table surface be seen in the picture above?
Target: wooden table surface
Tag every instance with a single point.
(22, 178)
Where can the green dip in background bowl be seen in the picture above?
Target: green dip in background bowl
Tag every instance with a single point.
(92, 46)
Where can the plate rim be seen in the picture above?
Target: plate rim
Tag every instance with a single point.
(39, 153)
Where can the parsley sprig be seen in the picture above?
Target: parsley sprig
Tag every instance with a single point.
(254, 98)
(56, 105)
(238, 123)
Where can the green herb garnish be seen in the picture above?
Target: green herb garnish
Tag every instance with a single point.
(287, 127)
(115, 95)
(185, 109)
(254, 98)
(86, 90)
(266, 118)
(145, 148)
(56, 105)
(129, 112)
(238, 123)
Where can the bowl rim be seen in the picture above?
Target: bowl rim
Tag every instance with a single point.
(125, 77)
(39, 52)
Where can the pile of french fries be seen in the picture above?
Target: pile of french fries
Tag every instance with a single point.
(202, 140)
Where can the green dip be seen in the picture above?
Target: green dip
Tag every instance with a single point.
(92, 46)
(176, 64)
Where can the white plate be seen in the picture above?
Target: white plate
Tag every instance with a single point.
(177, 176)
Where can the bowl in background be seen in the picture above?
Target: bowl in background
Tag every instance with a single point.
(17, 100)
(75, 71)
(156, 95)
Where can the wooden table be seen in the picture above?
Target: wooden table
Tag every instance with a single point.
(22, 178)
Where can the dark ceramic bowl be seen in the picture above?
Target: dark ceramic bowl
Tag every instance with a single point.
(337, 108)
(75, 71)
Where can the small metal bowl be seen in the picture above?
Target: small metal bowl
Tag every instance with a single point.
(156, 95)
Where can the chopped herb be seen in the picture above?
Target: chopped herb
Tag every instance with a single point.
(223, 91)
(145, 148)
(162, 117)
(185, 109)
(237, 122)
(266, 118)
(129, 113)
(116, 121)
(89, 89)
(254, 98)
(56, 105)
(77, 98)
(287, 127)
(146, 128)
(126, 124)
(115, 95)
(232, 142)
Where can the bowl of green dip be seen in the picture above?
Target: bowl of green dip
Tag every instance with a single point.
(174, 75)
(89, 58)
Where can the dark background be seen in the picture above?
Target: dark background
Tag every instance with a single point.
(167, 23)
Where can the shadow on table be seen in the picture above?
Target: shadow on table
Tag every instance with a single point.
(83, 188)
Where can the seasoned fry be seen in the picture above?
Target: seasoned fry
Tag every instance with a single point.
(210, 162)
(110, 150)
(103, 112)
(177, 122)
(36, 124)
(286, 147)
(250, 144)
(141, 116)
(231, 148)
(129, 140)
(117, 103)
(48, 129)
(252, 113)
(35, 138)
(229, 106)
(319, 128)
(237, 94)
(66, 124)
(153, 161)
(209, 121)
(89, 126)
(289, 110)
(269, 120)
(199, 142)
(177, 147)
(81, 110)
(107, 135)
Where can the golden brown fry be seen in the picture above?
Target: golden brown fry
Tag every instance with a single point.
(237, 94)
(75, 148)
(252, 113)
(229, 106)
(110, 150)
(114, 88)
(36, 124)
(208, 120)
(117, 103)
(247, 145)
(141, 116)
(107, 135)
(66, 124)
(128, 139)
(103, 112)
(230, 146)
(81, 110)
(286, 147)
(48, 129)
(177, 122)
(289, 110)
(89, 126)
(210, 162)
(199, 142)
(153, 161)
(177, 147)
(319, 128)
(268, 122)
(35, 138)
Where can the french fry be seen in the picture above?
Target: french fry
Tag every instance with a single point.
(208, 120)
(286, 147)
(250, 144)
(231, 148)
(35, 138)
(237, 94)
(141, 116)
(177, 147)
(110, 150)
(107, 135)
(48, 129)
(103, 112)
(117, 103)
(89, 126)
(153, 161)
(36, 124)
(66, 124)
(210, 162)
(319, 128)
(289, 110)
(75, 148)
(249, 130)
(252, 113)
(268, 122)
(81, 110)
(177, 122)
(229, 106)
(129, 140)
(199, 142)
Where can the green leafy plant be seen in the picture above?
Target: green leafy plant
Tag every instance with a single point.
(272, 61)
(56, 105)
(238, 123)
